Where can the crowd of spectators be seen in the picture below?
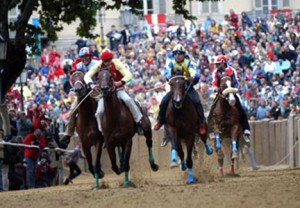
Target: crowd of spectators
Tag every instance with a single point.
(264, 51)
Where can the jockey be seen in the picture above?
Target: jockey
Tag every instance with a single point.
(85, 62)
(222, 68)
(121, 76)
(180, 63)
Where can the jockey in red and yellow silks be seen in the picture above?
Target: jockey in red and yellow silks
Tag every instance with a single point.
(121, 76)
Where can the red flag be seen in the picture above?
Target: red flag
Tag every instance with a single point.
(154, 19)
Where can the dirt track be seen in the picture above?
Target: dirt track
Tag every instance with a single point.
(168, 188)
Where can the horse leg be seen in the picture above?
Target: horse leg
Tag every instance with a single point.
(98, 172)
(89, 159)
(189, 161)
(218, 141)
(173, 153)
(219, 153)
(121, 157)
(208, 148)
(126, 161)
(154, 166)
(234, 145)
(112, 156)
(181, 155)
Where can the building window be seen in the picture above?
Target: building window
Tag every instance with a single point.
(162, 7)
(286, 3)
(150, 7)
(258, 3)
(274, 4)
(210, 7)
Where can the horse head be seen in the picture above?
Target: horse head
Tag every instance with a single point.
(78, 82)
(227, 90)
(106, 82)
(177, 84)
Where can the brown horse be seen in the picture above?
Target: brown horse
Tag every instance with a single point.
(118, 126)
(182, 124)
(86, 126)
(225, 121)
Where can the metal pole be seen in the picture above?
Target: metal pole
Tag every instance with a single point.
(22, 102)
(101, 28)
(1, 100)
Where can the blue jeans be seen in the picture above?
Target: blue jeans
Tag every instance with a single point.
(1, 179)
(30, 172)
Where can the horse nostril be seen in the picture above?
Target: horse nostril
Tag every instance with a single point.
(104, 90)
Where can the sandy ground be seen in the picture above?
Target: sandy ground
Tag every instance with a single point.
(266, 187)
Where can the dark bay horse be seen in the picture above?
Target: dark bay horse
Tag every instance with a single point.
(86, 126)
(182, 124)
(224, 121)
(118, 126)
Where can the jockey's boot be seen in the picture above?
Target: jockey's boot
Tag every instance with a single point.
(157, 126)
(247, 136)
(65, 142)
(139, 128)
(202, 129)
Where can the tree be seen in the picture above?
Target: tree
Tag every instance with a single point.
(52, 14)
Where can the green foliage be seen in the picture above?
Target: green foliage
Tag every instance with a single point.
(179, 8)
(54, 13)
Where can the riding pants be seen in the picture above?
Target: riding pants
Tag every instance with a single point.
(70, 128)
(243, 116)
(195, 98)
(163, 108)
(129, 102)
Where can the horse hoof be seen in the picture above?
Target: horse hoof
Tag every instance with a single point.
(191, 181)
(183, 167)
(96, 188)
(174, 164)
(235, 155)
(101, 174)
(154, 167)
(209, 151)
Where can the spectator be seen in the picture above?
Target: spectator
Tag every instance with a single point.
(32, 154)
(71, 161)
(24, 125)
(234, 19)
(43, 172)
(126, 36)
(53, 54)
(114, 38)
(262, 110)
(246, 21)
(81, 42)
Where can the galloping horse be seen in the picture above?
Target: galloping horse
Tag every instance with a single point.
(118, 126)
(182, 124)
(86, 126)
(225, 121)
